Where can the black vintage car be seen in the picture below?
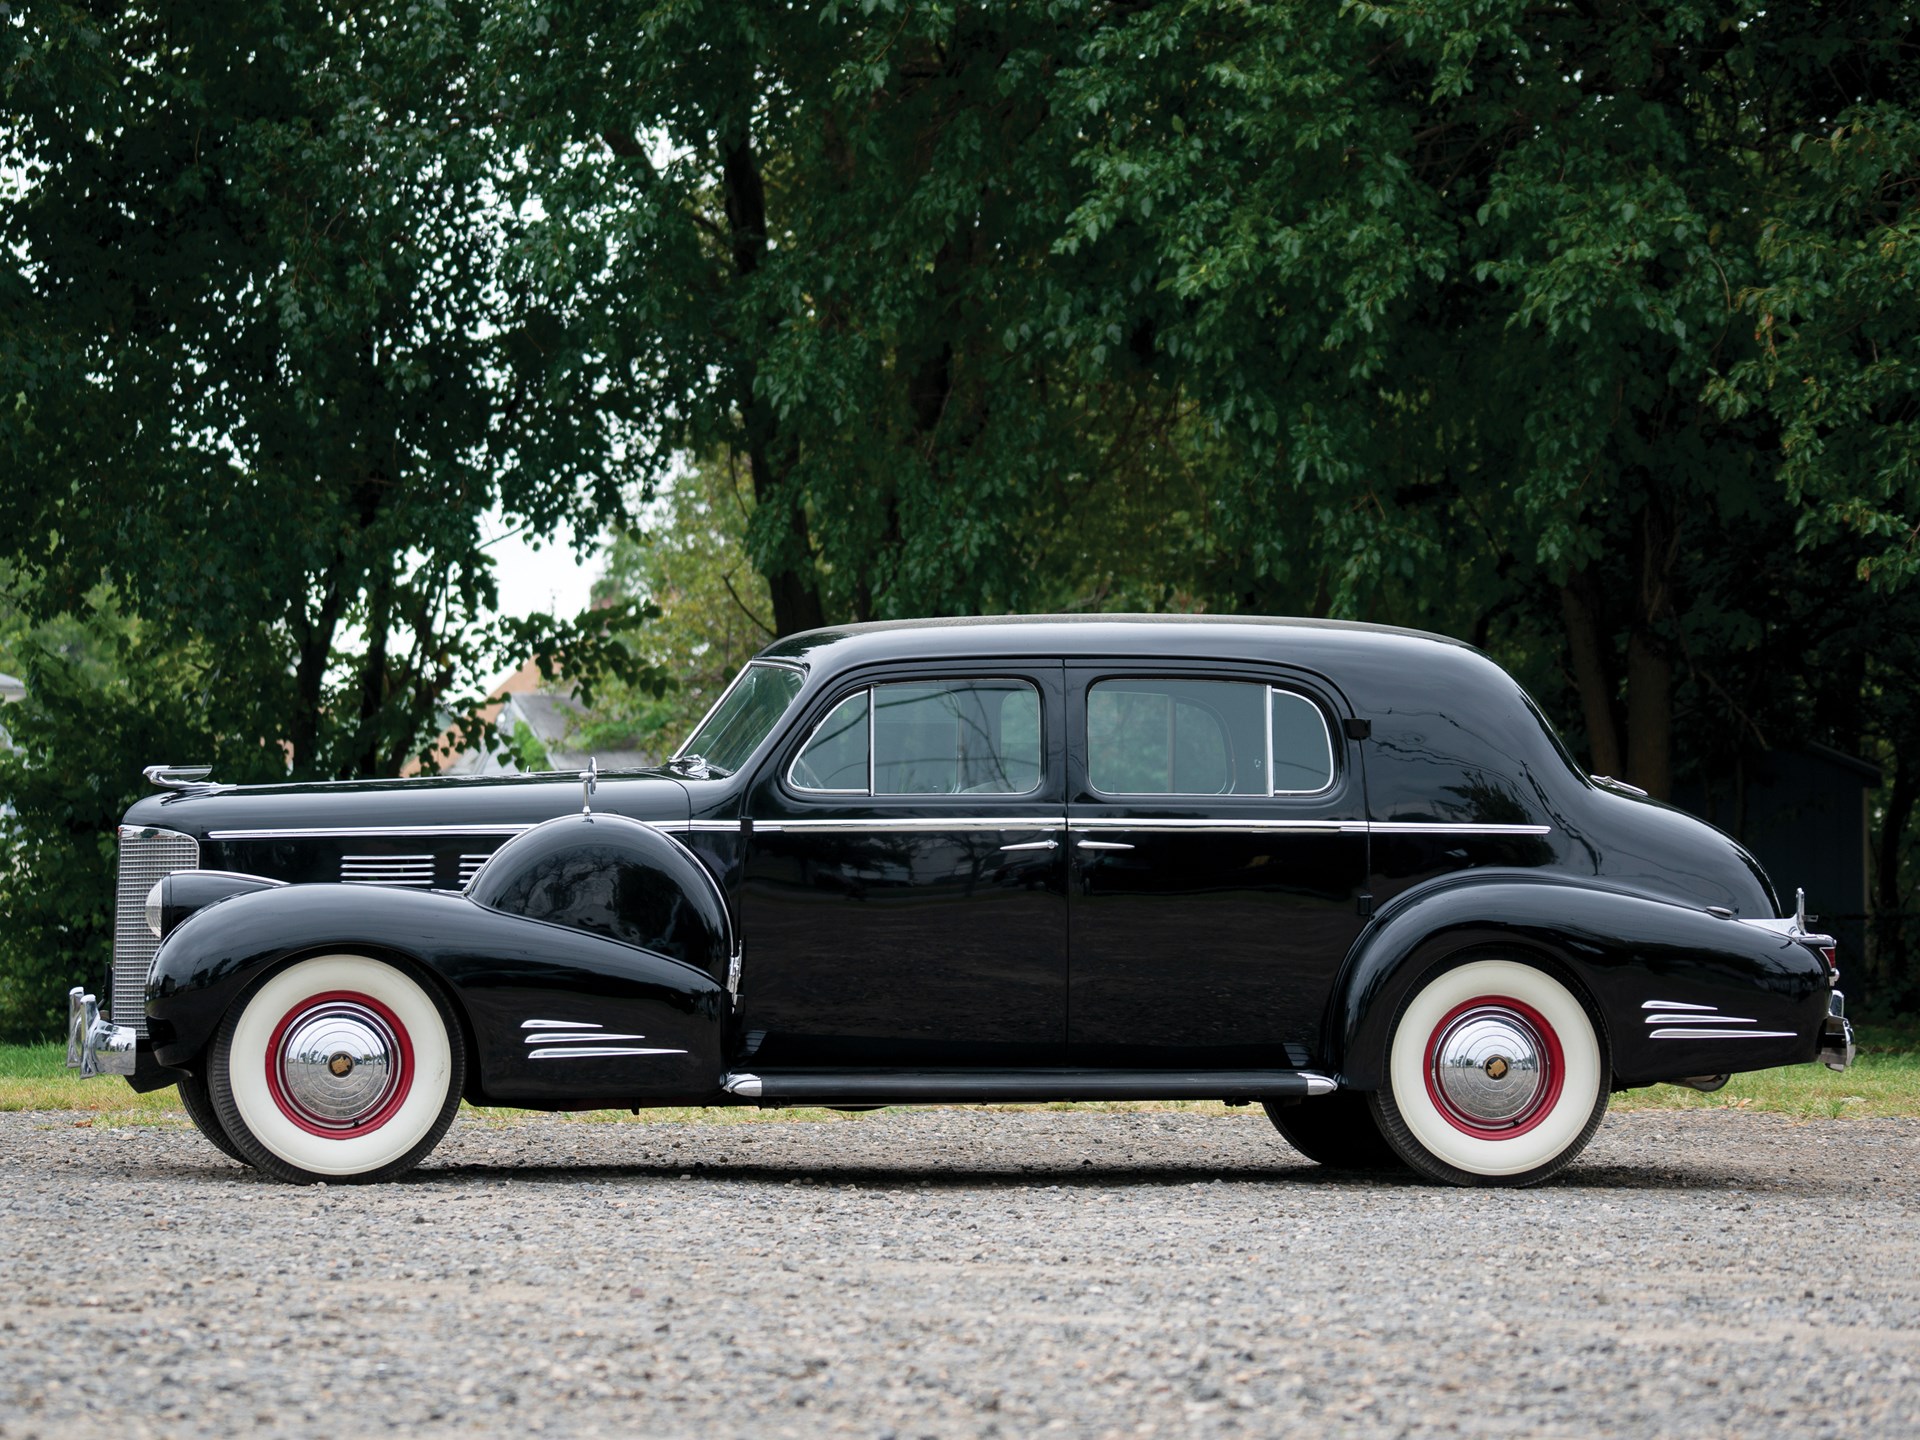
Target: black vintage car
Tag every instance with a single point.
(1345, 871)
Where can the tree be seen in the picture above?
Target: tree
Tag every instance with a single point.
(258, 387)
(824, 242)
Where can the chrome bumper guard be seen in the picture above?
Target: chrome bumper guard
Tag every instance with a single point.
(95, 1046)
(1836, 1036)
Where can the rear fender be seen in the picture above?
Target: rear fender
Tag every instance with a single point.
(1626, 953)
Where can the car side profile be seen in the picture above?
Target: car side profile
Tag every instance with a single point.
(1343, 871)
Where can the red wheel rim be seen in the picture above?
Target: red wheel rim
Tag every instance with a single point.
(1504, 1030)
(318, 1049)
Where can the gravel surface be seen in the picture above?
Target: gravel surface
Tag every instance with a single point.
(957, 1272)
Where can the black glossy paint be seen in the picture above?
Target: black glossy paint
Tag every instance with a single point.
(1247, 927)
(933, 947)
(1622, 950)
(929, 945)
(610, 876)
(499, 970)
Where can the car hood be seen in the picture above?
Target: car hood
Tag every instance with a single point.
(505, 801)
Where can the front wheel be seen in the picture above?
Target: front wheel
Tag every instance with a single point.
(338, 1068)
(196, 1098)
(1496, 1075)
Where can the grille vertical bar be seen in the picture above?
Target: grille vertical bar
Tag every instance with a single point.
(146, 856)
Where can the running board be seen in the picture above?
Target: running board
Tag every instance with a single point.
(916, 1087)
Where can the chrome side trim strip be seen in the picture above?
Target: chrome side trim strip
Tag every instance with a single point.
(1249, 825)
(324, 832)
(1448, 827)
(1677, 1019)
(595, 1054)
(1692, 1034)
(955, 822)
(1674, 1005)
(377, 832)
(590, 1037)
(557, 1025)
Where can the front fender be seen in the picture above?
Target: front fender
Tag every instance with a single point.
(500, 971)
(1623, 950)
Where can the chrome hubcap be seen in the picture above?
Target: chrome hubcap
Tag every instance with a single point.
(1490, 1066)
(339, 1062)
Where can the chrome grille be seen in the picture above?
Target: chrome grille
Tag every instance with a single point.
(413, 870)
(146, 857)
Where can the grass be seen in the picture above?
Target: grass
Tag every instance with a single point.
(1885, 1081)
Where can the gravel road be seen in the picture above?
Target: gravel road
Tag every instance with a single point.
(957, 1272)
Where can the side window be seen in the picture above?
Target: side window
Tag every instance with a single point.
(1204, 737)
(836, 757)
(1302, 748)
(957, 737)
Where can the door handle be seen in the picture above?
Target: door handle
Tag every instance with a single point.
(1034, 845)
(1103, 845)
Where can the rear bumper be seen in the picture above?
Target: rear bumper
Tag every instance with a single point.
(1836, 1035)
(96, 1046)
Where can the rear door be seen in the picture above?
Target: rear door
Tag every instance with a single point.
(904, 897)
(1218, 849)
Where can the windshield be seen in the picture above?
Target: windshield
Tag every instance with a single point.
(745, 715)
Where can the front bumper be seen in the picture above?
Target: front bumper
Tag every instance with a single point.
(96, 1046)
(1836, 1035)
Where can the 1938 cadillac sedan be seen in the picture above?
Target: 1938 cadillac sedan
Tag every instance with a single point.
(1344, 871)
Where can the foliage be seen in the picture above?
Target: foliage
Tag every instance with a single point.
(687, 563)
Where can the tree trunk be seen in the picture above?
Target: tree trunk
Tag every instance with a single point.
(1650, 655)
(1649, 714)
(309, 678)
(1888, 929)
(1590, 674)
(791, 581)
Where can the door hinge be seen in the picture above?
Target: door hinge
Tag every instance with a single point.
(1366, 906)
(1358, 729)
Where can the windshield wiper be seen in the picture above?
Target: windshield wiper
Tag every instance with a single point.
(701, 768)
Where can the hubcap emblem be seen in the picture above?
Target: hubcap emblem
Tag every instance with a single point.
(1497, 1068)
(341, 1064)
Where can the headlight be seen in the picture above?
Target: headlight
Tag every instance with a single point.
(156, 906)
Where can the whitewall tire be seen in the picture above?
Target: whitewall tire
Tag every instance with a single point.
(1496, 1074)
(340, 1067)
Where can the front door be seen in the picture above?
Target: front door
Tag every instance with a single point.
(1216, 823)
(904, 895)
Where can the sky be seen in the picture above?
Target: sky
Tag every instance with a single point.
(549, 578)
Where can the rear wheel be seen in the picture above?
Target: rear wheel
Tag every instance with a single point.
(197, 1100)
(1496, 1075)
(338, 1068)
(1337, 1131)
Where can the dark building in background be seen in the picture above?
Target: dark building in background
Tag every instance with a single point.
(1804, 815)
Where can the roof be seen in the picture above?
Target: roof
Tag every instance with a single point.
(1303, 641)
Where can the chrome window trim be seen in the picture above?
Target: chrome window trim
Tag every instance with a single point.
(1333, 767)
(873, 712)
(864, 692)
(1326, 733)
(733, 685)
(873, 749)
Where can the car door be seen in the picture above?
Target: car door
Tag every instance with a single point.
(903, 901)
(1217, 829)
